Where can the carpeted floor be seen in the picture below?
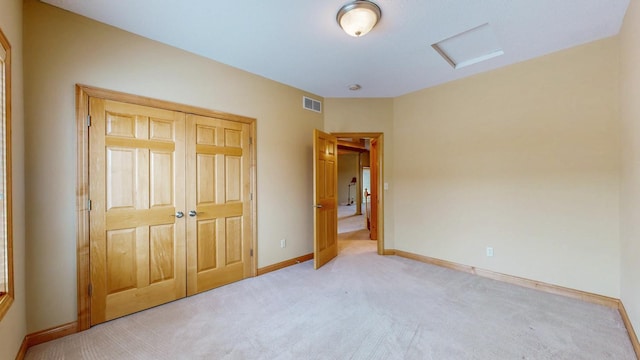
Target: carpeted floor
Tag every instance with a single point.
(358, 306)
(350, 225)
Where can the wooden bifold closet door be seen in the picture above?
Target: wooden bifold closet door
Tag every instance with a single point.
(170, 211)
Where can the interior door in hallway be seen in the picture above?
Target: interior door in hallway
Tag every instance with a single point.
(325, 189)
(218, 197)
(137, 247)
(374, 155)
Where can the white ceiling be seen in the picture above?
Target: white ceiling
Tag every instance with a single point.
(299, 43)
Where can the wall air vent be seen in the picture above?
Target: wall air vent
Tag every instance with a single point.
(311, 104)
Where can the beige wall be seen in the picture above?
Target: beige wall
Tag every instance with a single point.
(13, 326)
(630, 193)
(368, 115)
(62, 49)
(524, 159)
(348, 168)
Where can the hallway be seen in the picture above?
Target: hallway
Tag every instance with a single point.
(350, 225)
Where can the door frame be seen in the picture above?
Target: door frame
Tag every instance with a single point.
(380, 188)
(83, 93)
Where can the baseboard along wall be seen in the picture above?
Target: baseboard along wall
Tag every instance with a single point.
(284, 264)
(22, 352)
(629, 326)
(43, 336)
(532, 284)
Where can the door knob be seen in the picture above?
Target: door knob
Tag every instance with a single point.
(179, 214)
(319, 206)
(192, 213)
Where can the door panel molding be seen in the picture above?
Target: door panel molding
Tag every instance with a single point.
(83, 95)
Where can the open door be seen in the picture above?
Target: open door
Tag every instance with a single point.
(375, 183)
(325, 189)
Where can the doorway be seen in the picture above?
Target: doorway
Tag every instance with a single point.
(374, 143)
(326, 190)
(353, 201)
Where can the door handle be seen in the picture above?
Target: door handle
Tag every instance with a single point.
(319, 206)
(179, 214)
(192, 213)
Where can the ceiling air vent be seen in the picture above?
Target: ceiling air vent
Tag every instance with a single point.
(311, 104)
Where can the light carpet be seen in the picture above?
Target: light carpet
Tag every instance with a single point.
(359, 306)
(350, 225)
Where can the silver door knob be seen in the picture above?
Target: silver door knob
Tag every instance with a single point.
(317, 206)
(192, 213)
(179, 214)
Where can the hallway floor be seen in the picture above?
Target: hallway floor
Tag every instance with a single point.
(350, 225)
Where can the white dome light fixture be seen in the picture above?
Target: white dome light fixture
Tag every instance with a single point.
(359, 17)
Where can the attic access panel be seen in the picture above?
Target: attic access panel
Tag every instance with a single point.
(469, 47)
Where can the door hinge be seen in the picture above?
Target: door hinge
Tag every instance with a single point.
(89, 205)
(250, 196)
(250, 140)
(88, 120)
(251, 252)
(90, 290)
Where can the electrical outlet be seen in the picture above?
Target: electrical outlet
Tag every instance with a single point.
(489, 251)
(283, 243)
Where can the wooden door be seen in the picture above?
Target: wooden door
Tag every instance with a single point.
(325, 189)
(219, 229)
(374, 154)
(137, 248)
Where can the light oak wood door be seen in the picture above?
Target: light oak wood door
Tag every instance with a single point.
(325, 188)
(219, 226)
(375, 185)
(137, 247)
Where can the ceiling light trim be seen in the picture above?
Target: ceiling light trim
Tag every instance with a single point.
(359, 17)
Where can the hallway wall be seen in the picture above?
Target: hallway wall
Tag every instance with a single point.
(348, 168)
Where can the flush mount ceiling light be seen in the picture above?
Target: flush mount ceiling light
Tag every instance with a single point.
(359, 17)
